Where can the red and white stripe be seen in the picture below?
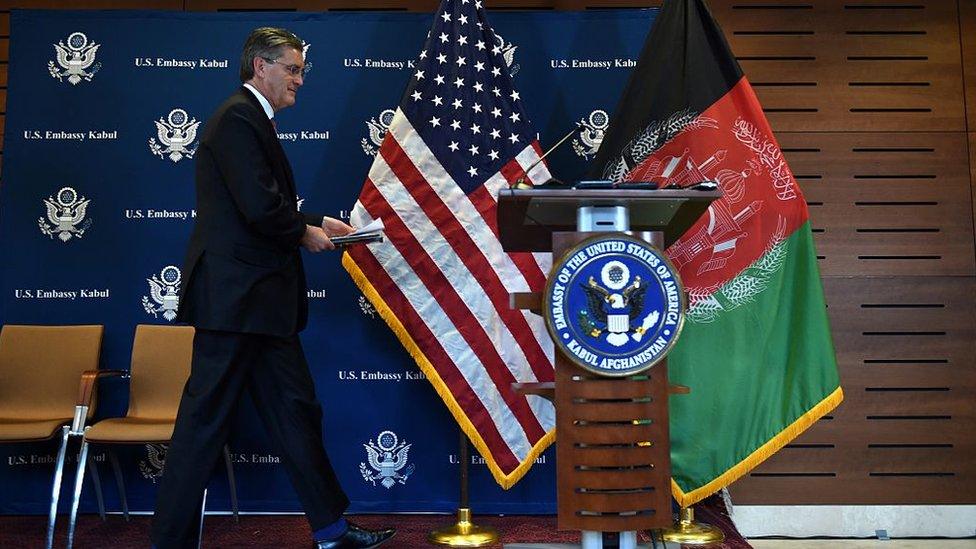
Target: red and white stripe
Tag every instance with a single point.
(443, 274)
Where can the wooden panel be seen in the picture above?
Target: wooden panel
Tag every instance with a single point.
(967, 24)
(605, 4)
(610, 444)
(620, 503)
(972, 171)
(906, 349)
(597, 388)
(917, 489)
(311, 5)
(833, 65)
(845, 426)
(624, 479)
(6, 5)
(615, 411)
(637, 455)
(886, 203)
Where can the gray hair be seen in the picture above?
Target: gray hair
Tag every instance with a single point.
(266, 42)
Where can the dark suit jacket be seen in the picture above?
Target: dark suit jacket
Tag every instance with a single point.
(243, 269)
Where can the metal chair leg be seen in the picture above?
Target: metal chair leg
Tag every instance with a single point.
(76, 497)
(120, 483)
(233, 484)
(97, 481)
(56, 486)
(203, 512)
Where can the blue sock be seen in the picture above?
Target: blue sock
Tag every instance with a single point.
(331, 531)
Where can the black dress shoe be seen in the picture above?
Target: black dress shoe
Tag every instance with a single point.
(358, 538)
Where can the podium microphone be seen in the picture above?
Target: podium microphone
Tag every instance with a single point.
(522, 183)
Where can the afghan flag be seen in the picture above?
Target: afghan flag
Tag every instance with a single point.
(756, 348)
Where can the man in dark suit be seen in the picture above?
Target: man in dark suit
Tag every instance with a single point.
(246, 295)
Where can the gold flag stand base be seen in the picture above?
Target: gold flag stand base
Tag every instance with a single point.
(689, 532)
(464, 533)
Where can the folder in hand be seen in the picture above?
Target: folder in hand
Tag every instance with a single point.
(370, 233)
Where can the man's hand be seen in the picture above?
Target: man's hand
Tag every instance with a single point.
(315, 240)
(334, 227)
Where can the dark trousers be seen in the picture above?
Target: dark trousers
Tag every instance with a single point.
(275, 372)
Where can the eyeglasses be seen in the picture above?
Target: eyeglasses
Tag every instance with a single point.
(294, 70)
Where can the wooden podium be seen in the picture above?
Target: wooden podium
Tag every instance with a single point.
(612, 439)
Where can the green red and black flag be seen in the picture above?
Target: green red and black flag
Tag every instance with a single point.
(756, 348)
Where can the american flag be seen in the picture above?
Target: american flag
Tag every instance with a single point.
(441, 280)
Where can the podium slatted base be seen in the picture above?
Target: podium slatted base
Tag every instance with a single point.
(612, 449)
(612, 453)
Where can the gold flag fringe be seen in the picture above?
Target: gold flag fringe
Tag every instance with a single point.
(762, 453)
(505, 480)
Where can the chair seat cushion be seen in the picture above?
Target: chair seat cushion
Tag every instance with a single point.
(131, 430)
(12, 430)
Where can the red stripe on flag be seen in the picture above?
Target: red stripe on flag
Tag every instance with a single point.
(524, 262)
(400, 306)
(454, 307)
(512, 171)
(473, 259)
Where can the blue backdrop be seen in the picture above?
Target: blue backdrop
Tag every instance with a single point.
(83, 143)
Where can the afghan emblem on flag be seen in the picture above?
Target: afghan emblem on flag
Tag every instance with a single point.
(614, 306)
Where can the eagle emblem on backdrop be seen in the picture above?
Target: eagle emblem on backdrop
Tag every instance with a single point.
(614, 305)
(377, 128)
(152, 467)
(507, 51)
(387, 458)
(65, 215)
(176, 134)
(75, 59)
(592, 130)
(164, 293)
(305, 47)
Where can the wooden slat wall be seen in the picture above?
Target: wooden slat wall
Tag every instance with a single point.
(967, 26)
(886, 203)
(850, 66)
(874, 103)
(867, 98)
(904, 433)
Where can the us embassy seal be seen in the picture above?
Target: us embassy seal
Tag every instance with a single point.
(614, 305)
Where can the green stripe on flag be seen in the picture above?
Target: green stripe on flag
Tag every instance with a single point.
(760, 363)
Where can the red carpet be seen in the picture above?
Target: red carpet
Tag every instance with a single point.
(293, 532)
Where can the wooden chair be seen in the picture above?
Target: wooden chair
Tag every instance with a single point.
(39, 370)
(161, 357)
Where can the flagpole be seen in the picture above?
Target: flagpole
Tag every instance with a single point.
(464, 533)
(522, 183)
